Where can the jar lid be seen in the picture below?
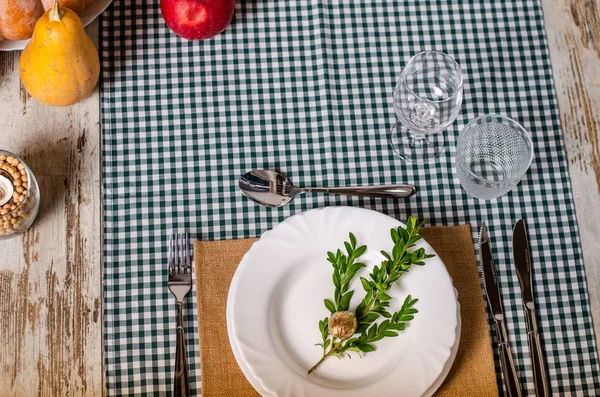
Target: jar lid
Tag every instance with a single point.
(6, 190)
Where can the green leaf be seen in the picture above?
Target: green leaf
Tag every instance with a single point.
(362, 327)
(377, 337)
(372, 331)
(359, 309)
(336, 280)
(384, 297)
(403, 234)
(352, 239)
(329, 305)
(369, 318)
(395, 236)
(390, 333)
(365, 283)
(359, 251)
(345, 301)
(411, 223)
(366, 347)
(396, 251)
(355, 267)
(349, 249)
(331, 257)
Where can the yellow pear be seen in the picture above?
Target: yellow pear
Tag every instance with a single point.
(60, 65)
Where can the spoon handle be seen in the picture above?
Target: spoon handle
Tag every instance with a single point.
(384, 191)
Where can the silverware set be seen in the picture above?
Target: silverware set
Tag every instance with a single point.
(180, 284)
(522, 263)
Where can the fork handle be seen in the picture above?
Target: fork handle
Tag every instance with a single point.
(182, 375)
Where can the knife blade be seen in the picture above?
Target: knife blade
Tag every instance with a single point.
(492, 293)
(522, 262)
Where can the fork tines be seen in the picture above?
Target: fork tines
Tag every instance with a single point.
(179, 254)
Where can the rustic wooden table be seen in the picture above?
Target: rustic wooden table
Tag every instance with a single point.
(51, 277)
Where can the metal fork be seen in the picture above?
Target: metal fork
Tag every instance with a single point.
(180, 283)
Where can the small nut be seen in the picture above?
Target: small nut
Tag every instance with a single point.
(20, 189)
(9, 159)
(342, 325)
(3, 211)
(17, 182)
(21, 167)
(2, 157)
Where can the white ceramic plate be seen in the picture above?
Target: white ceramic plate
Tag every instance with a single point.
(87, 16)
(276, 300)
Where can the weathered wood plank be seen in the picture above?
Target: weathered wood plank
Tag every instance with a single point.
(50, 277)
(573, 29)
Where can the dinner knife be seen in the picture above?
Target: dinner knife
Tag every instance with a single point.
(522, 263)
(492, 293)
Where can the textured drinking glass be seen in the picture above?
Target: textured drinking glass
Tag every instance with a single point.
(427, 99)
(19, 195)
(492, 155)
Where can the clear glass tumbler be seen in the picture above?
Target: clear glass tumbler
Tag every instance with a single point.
(427, 100)
(19, 195)
(492, 155)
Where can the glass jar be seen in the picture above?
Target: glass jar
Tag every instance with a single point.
(19, 195)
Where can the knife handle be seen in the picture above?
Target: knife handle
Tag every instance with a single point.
(537, 359)
(509, 373)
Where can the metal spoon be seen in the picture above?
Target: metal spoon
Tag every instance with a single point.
(272, 189)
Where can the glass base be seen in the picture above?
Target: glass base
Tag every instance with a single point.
(415, 148)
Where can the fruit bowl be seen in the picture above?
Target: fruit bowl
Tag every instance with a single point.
(87, 16)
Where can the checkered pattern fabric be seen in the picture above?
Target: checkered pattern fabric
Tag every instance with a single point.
(306, 87)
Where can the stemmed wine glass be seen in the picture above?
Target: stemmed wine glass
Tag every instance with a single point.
(427, 99)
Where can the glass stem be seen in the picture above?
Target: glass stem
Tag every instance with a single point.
(417, 136)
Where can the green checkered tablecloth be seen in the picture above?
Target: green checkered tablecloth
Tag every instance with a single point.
(306, 87)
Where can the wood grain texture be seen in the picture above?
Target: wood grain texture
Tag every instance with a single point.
(573, 30)
(51, 277)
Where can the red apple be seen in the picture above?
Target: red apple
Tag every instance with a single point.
(197, 19)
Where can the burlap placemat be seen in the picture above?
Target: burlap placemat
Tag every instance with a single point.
(473, 371)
